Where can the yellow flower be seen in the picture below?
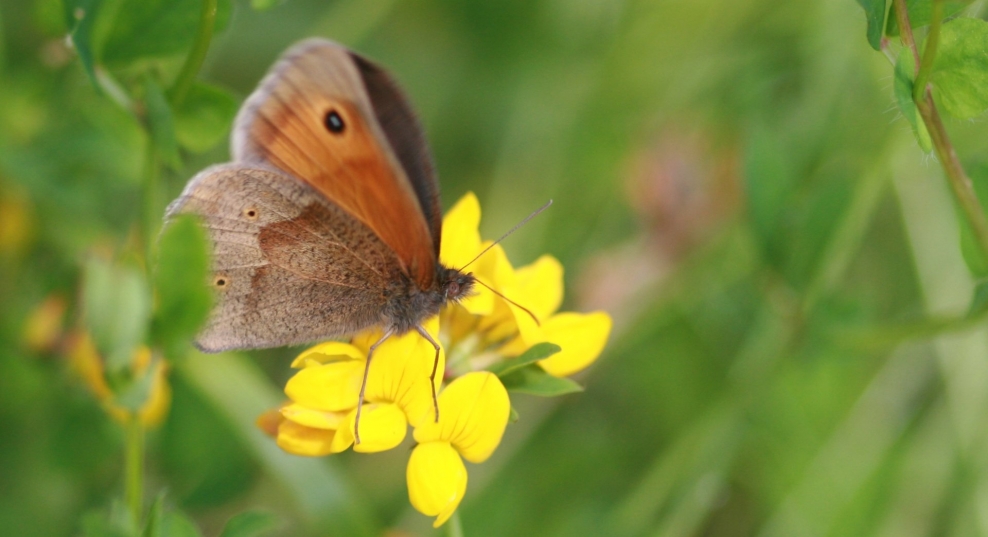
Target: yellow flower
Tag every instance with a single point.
(88, 364)
(321, 418)
(487, 322)
(473, 412)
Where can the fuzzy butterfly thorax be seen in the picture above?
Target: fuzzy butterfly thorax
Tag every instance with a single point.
(408, 307)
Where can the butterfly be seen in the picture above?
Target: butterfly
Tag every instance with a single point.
(327, 221)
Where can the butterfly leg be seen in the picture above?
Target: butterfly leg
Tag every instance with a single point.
(363, 385)
(435, 366)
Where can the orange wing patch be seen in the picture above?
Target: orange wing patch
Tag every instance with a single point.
(312, 118)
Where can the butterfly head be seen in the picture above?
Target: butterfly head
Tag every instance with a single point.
(455, 285)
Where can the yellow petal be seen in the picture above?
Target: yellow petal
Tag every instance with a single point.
(43, 327)
(437, 480)
(581, 336)
(400, 371)
(333, 387)
(330, 351)
(473, 412)
(159, 398)
(461, 238)
(301, 440)
(310, 417)
(539, 288)
(382, 427)
(86, 361)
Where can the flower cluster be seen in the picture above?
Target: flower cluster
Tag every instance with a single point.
(481, 335)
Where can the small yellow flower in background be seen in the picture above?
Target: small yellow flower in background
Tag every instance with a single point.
(473, 412)
(43, 327)
(88, 364)
(480, 332)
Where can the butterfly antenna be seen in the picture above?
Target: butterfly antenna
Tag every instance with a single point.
(510, 231)
(512, 302)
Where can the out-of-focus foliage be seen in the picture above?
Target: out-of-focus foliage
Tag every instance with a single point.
(793, 352)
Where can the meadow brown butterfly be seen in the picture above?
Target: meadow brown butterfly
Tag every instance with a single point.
(328, 220)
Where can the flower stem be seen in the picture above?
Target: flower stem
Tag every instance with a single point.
(929, 52)
(207, 21)
(454, 528)
(134, 469)
(960, 183)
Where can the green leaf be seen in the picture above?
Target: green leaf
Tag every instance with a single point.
(204, 118)
(539, 351)
(513, 416)
(117, 307)
(157, 28)
(960, 73)
(903, 84)
(533, 380)
(920, 13)
(178, 525)
(249, 524)
(875, 14)
(184, 299)
(161, 123)
(262, 5)
(80, 16)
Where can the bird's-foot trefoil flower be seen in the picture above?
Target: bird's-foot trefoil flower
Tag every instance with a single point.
(487, 336)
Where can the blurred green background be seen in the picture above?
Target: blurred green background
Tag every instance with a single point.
(792, 352)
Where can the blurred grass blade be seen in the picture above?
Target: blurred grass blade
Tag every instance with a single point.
(249, 524)
(153, 524)
(81, 19)
(242, 393)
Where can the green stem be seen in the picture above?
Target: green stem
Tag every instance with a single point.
(960, 183)
(207, 21)
(134, 469)
(906, 29)
(454, 528)
(929, 52)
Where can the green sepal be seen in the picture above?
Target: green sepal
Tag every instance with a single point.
(539, 351)
(903, 85)
(533, 380)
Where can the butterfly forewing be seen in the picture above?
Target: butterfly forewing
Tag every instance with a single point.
(312, 117)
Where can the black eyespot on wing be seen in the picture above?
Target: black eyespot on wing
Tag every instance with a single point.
(334, 122)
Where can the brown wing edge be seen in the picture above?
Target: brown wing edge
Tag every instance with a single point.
(407, 139)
